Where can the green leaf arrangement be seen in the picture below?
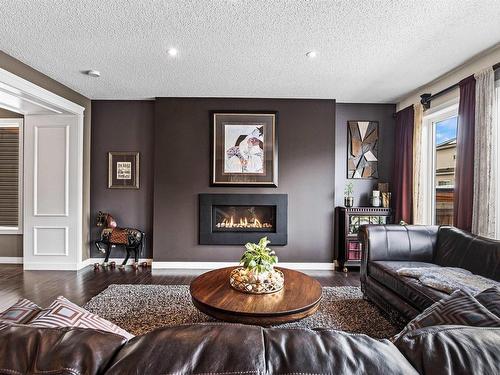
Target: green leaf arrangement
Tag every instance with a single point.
(258, 257)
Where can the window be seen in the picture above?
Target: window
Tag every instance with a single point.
(11, 176)
(445, 141)
(440, 134)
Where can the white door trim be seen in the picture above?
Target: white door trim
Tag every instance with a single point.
(22, 96)
(26, 90)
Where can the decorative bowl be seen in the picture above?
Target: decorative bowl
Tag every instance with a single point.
(245, 281)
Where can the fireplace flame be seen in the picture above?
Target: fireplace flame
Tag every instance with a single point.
(244, 222)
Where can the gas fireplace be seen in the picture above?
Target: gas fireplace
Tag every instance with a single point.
(234, 219)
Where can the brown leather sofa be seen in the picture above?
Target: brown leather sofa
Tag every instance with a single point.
(387, 248)
(232, 349)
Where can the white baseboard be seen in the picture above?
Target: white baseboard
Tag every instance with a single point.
(11, 260)
(64, 266)
(214, 265)
(160, 265)
(50, 267)
(91, 261)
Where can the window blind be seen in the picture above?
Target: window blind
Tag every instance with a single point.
(9, 177)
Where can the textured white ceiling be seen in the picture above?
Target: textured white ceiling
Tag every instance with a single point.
(368, 50)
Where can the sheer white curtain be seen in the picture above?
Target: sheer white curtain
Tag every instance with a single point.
(418, 170)
(485, 172)
(497, 129)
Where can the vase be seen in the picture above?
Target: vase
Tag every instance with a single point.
(386, 200)
(375, 201)
(348, 201)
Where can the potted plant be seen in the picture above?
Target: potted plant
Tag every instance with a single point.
(348, 192)
(259, 260)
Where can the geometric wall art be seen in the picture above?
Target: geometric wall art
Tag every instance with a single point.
(362, 150)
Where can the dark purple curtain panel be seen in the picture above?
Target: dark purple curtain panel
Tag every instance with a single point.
(403, 165)
(464, 170)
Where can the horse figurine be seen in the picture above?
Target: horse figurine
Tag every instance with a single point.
(111, 235)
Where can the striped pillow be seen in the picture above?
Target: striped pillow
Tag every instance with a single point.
(459, 308)
(63, 313)
(21, 312)
(490, 298)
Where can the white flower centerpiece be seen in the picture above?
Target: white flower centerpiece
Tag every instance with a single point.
(257, 274)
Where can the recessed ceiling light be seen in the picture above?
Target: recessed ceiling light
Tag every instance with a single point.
(172, 52)
(93, 73)
(311, 54)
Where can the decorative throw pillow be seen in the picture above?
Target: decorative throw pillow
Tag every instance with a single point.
(63, 313)
(490, 298)
(460, 308)
(21, 312)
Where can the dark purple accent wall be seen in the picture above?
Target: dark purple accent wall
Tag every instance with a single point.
(383, 113)
(122, 126)
(312, 170)
(182, 171)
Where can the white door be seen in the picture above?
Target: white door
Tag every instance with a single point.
(53, 161)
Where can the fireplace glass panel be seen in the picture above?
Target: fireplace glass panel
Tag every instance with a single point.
(244, 218)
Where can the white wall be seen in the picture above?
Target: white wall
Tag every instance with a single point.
(476, 64)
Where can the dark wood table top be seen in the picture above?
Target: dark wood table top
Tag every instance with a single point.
(212, 294)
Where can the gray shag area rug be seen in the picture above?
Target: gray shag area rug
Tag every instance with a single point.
(142, 308)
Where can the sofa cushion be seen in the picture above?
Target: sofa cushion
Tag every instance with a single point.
(194, 349)
(324, 351)
(63, 313)
(411, 290)
(490, 298)
(21, 312)
(399, 242)
(453, 350)
(459, 308)
(456, 248)
(62, 351)
(235, 349)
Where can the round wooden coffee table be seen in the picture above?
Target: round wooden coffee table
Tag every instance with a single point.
(299, 298)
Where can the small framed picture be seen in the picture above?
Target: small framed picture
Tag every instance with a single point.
(123, 170)
(244, 148)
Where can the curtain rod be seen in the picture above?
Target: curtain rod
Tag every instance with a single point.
(425, 99)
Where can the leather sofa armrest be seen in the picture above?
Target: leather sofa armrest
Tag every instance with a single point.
(397, 243)
(26, 350)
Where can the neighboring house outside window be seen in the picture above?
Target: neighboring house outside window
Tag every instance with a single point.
(446, 149)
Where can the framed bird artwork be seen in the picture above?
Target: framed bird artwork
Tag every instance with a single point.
(244, 148)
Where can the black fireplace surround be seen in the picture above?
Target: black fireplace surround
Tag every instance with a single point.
(235, 219)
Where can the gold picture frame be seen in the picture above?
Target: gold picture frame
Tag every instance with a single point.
(123, 170)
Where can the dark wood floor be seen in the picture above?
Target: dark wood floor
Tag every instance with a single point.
(42, 287)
